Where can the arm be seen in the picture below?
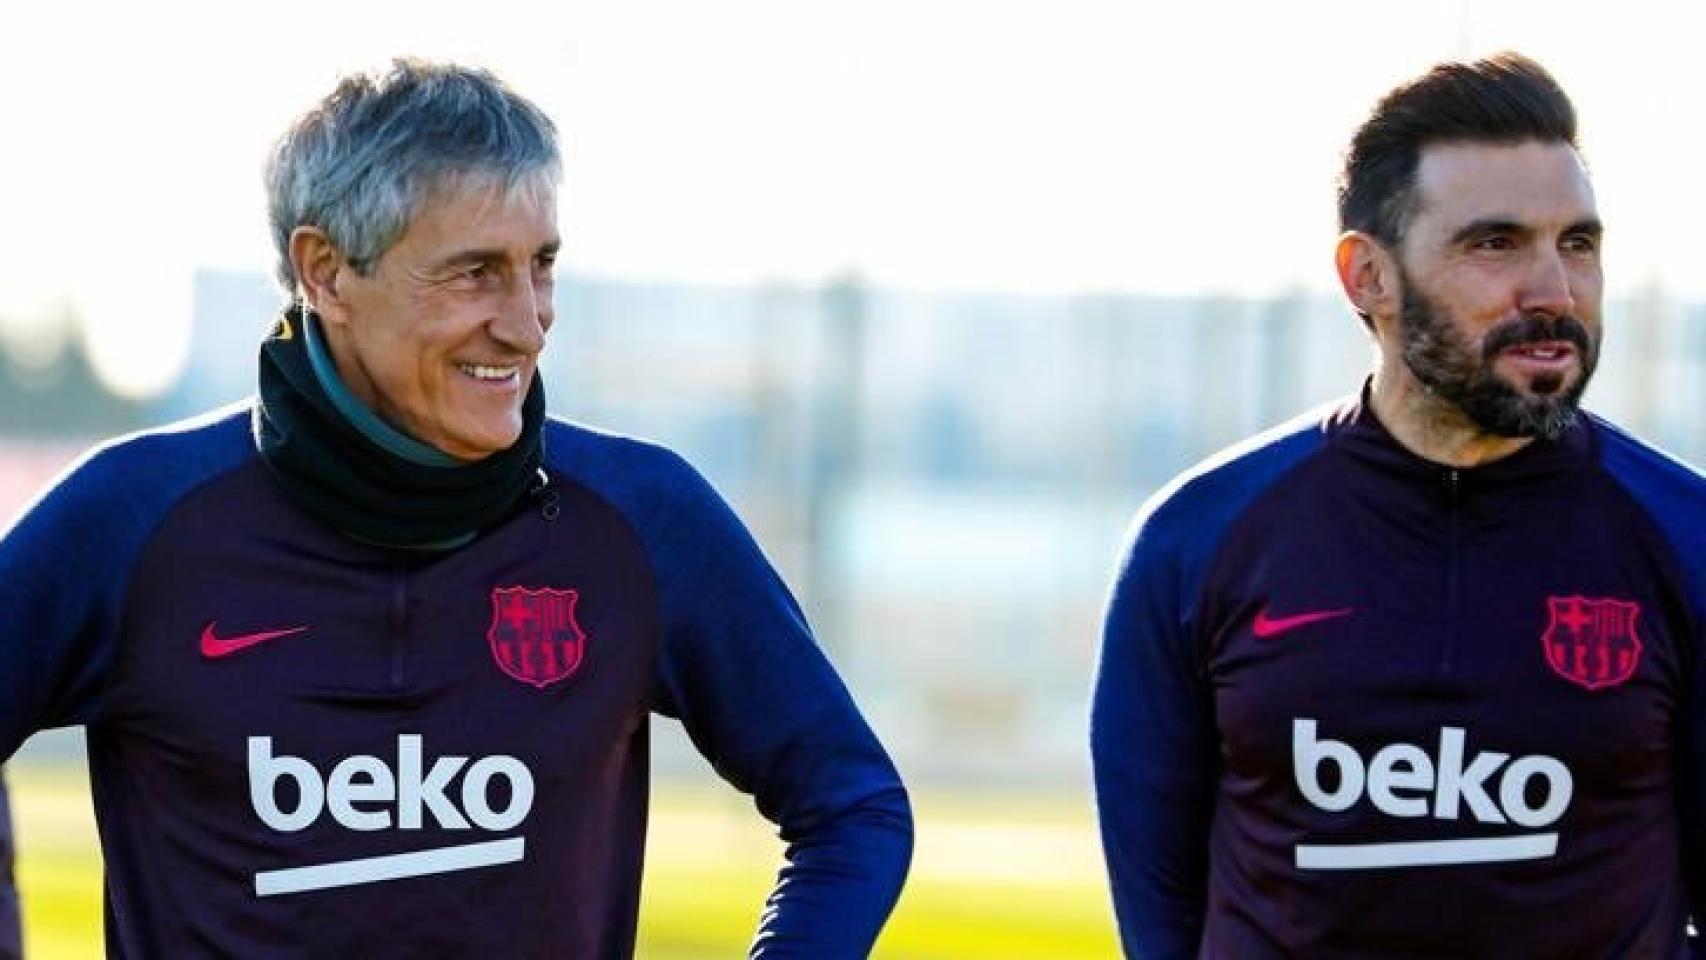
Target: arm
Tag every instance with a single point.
(65, 564)
(1153, 748)
(738, 666)
(1672, 497)
(58, 604)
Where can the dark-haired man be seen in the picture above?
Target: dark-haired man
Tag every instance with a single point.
(367, 665)
(1419, 675)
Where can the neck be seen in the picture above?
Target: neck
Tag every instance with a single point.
(1429, 426)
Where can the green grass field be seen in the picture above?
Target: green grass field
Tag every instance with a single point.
(993, 876)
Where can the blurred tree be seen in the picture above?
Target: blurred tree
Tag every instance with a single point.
(59, 394)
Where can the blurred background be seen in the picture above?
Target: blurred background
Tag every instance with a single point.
(935, 293)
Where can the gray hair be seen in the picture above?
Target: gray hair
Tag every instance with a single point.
(359, 164)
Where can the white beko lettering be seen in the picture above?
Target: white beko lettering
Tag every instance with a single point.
(430, 791)
(1513, 790)
(1401, 766)
(1307, 754)
(1457, 783)
(474, 792)
(344, 791)
(264, 773)
(359, 794)
(1399, 780)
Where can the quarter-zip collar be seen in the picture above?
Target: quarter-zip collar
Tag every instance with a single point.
(1355, 431)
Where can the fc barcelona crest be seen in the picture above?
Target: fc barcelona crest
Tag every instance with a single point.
(534, 635)
(1593, 641)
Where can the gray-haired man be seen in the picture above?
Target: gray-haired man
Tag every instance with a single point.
(367, 664)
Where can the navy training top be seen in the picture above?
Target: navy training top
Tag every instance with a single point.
(301, 745)
(1352, 703)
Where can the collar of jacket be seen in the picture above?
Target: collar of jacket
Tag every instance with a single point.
(1357, 432)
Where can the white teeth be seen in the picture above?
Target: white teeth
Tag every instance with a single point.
(482, 372)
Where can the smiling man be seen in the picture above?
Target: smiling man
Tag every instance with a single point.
(367, 664)
(1420, 675)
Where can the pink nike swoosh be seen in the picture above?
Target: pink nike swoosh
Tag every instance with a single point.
(1265, 627)
(215, 646)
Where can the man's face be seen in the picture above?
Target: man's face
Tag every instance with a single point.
(444, 333)
(1500, 283)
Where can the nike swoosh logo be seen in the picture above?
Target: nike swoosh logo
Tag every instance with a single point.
(1265, 626)
(212, 645)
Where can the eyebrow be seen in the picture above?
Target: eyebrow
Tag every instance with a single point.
(478, 255)
(1590, 226)
(1493, 225)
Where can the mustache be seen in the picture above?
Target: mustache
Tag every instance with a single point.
(1537, 328)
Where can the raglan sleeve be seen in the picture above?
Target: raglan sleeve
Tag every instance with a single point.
(58, 605)
(739, 667)
(1671, 498)
(1153, 749)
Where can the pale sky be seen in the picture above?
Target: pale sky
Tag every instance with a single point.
(1036, 147)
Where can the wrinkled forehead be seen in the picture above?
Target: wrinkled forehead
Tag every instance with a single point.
(485, 210)
(484, 190)
(1534, 184)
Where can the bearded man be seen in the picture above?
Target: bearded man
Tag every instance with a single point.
(1420, 675)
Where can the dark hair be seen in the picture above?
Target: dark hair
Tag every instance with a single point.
(1503, 99)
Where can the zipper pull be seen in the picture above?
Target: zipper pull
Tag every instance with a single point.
(549, 507)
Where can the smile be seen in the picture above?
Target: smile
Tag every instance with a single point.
(1546, 356)
(1545, 351)
(488, 373)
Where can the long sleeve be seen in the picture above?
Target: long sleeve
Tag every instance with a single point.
(1154, 736)
(66, 562)
(60, 586)
(739, 667)
(1153, 749)
(1673, 498)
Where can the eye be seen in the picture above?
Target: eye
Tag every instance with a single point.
(1581, 243)
(545, 268)
(475, 275)
(1492, 241)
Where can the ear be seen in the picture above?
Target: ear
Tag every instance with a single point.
(1368, 272)
(319, 267)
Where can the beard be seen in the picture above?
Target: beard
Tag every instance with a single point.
(1452, 369)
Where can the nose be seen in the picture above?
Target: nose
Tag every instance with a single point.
(1546, 287)
(523, 317)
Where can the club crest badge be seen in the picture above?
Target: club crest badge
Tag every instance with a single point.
(534, 636)
(1593, 641)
